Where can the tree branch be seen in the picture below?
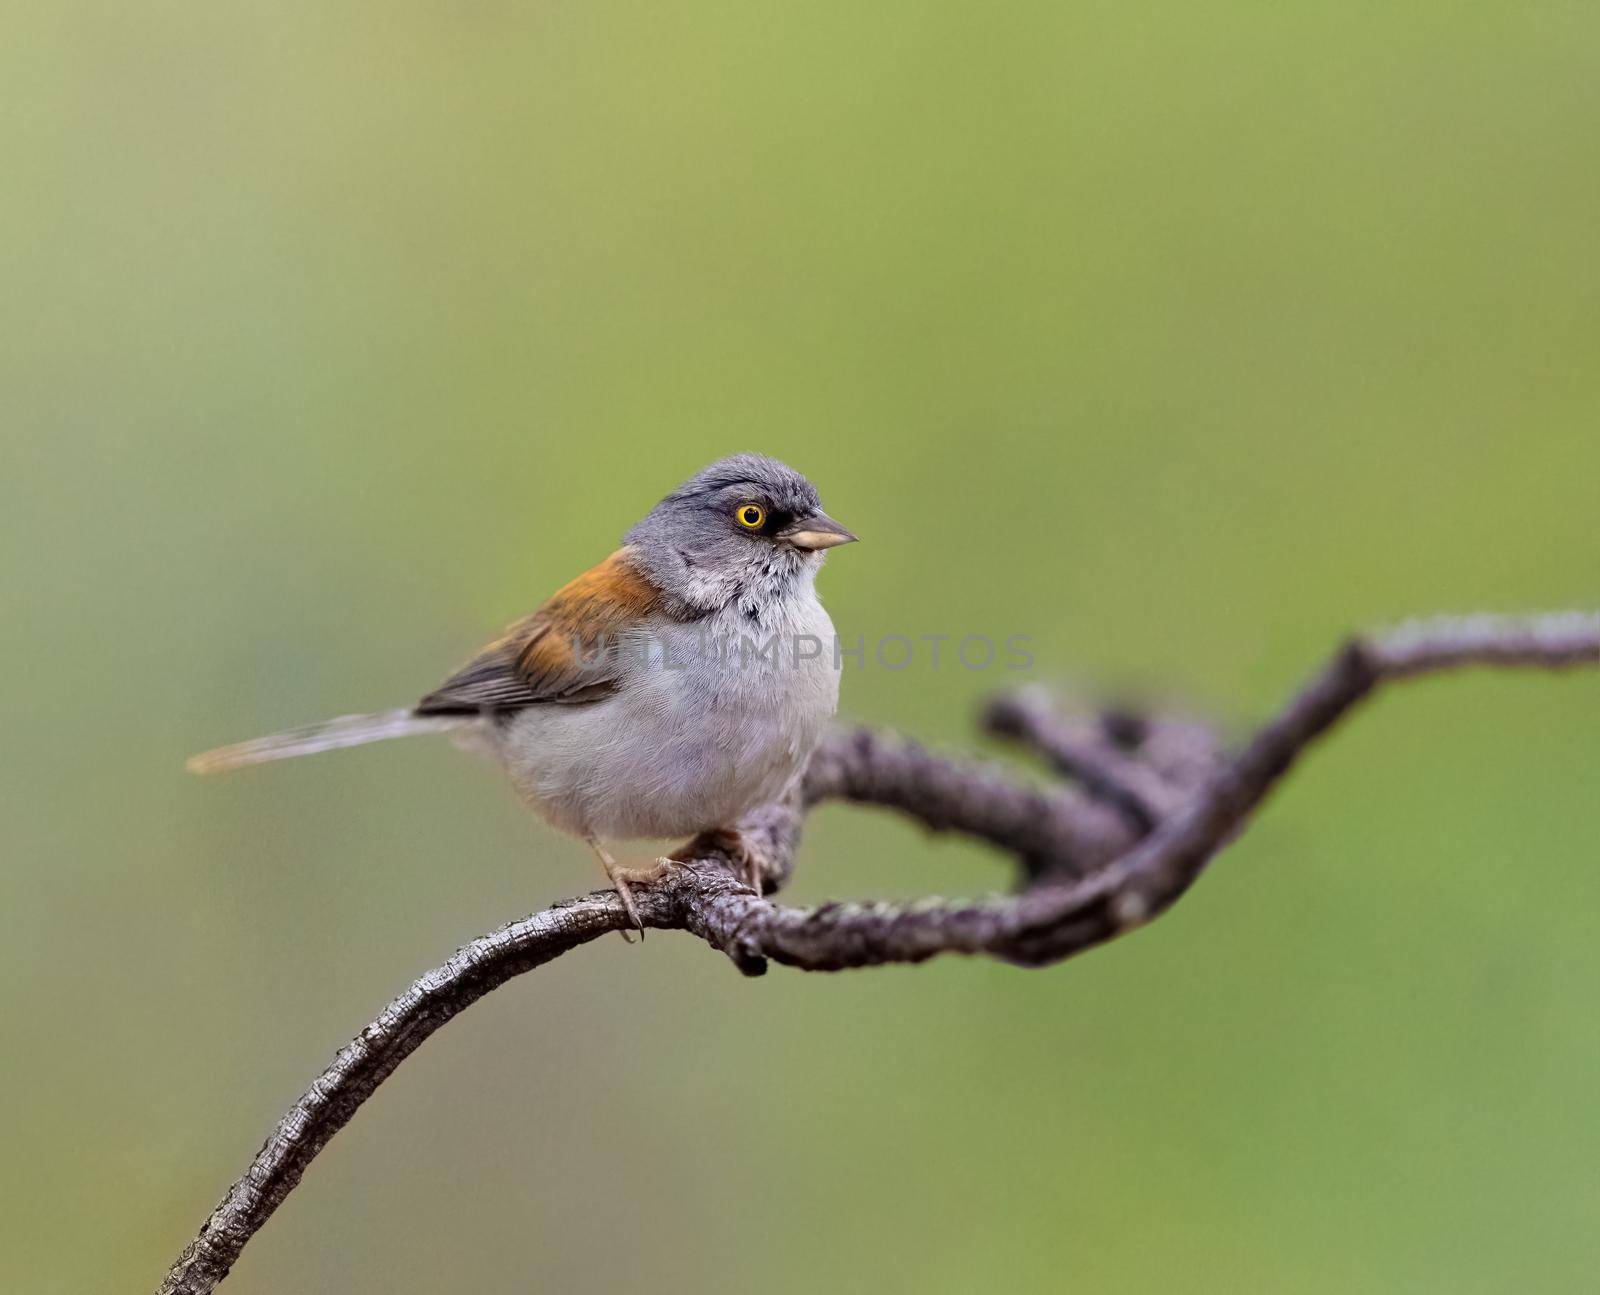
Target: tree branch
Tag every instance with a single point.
(1155, 802)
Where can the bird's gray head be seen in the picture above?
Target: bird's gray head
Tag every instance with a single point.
(747, 528)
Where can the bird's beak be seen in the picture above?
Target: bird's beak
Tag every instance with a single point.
(818, 531)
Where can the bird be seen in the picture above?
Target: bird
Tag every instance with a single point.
(666, 692)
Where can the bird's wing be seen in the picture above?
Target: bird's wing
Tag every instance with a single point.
(567, 651)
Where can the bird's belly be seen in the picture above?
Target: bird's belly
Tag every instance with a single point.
(677, 750)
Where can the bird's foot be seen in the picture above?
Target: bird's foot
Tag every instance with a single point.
(624, 879)
(744, 858)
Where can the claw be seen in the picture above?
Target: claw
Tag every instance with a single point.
(620, 878)
(625, 894)
(746, 862)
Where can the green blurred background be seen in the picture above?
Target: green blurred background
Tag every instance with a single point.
(1182, 338)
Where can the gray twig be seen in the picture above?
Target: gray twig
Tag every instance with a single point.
(1157, 802)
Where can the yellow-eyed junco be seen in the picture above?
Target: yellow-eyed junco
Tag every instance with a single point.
(666, 692)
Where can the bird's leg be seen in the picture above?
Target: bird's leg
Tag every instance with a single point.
(746, 861)
(746, 866)
(621, 878)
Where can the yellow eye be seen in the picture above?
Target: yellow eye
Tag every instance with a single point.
(750, 516)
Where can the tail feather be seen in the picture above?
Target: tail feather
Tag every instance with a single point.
(347, 730)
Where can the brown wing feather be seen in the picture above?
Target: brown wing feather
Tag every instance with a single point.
(564, 652)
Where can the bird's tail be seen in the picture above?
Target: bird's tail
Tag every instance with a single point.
(347, 730)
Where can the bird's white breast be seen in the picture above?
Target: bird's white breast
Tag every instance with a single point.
(710, 720)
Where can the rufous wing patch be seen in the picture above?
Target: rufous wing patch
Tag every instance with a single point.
(565, 651)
